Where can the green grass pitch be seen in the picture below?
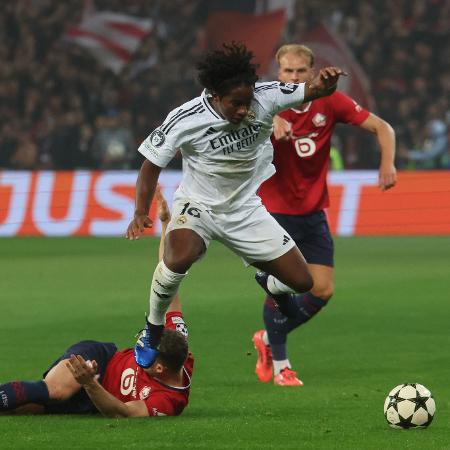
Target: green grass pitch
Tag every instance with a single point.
(388, 323)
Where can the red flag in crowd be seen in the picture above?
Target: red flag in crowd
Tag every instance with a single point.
(110, 37)
(258, 26)
(331, 50)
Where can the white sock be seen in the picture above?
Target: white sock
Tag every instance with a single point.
(265, 338)
(278, 366)
(275, 286)
(164, 286)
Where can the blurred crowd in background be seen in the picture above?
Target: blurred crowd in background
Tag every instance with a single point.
(61, 109)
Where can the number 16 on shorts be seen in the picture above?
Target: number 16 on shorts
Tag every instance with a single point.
(191, 210)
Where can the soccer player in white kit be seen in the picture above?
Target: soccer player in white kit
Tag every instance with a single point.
(224, 138)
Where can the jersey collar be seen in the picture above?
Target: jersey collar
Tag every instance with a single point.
(302, 111)
(177, 388)
(205, 95)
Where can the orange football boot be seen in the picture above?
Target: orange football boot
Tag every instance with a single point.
(287, 377)
(264, 366)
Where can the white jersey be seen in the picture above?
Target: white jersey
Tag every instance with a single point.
(223, 164)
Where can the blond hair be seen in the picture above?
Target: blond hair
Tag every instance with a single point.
(296, 49)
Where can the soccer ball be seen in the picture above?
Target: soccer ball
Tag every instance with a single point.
(409, 406)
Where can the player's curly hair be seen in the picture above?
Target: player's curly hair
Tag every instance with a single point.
(173, 349)
(220, 71)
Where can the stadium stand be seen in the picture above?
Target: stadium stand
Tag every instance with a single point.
(61, 109)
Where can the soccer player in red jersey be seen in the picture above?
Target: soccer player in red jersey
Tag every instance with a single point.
(94, 377)
(296, 195)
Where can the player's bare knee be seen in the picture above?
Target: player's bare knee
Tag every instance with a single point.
(177, 265)
(323, 291)
(179, 262)
(304, 283)
(58, 392)
(179, 258)
(309, 283)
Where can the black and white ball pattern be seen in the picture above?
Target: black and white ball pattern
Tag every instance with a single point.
(409, 406)
(182, 328)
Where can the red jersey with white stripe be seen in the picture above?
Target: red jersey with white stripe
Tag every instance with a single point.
(128, 382)
(299, 186)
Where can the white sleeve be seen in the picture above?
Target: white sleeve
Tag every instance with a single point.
(163, 142)
(277, 96)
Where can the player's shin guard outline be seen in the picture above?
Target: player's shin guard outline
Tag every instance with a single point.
(164, 286)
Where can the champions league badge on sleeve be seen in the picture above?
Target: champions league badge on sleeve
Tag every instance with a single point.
(288, 88)
(157, 138)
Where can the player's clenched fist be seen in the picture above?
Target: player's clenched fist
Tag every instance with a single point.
(138, 225)
(282, 129)
(325, 82)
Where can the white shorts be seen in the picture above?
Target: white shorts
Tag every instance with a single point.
(250, 232)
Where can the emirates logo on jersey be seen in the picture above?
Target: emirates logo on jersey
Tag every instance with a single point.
(236, 140)
(319, 120)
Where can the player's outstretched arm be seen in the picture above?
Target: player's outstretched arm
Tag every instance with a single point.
(105, 402)
(323, 84)
(387, 174)
(145, 189)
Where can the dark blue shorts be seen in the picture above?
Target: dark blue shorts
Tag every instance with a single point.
(80, 403)
(312, 235)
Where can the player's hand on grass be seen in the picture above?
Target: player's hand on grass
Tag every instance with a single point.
(83, 371)
(387, 177)
(282, 129)
(325, 82)
(138, 225)
(163, 210)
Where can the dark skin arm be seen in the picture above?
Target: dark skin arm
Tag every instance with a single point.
(145, 190)
(323, 84)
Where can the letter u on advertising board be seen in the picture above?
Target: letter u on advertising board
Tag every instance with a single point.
(91, 203)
